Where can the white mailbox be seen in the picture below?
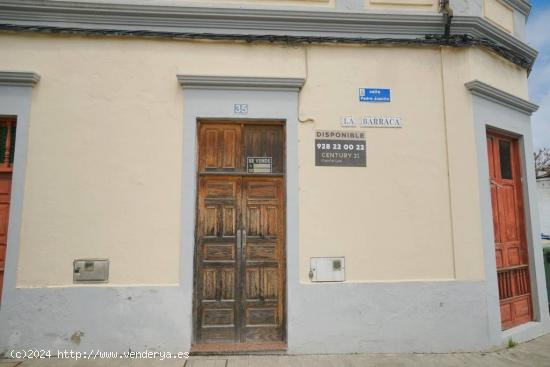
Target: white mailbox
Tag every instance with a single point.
(327, 269)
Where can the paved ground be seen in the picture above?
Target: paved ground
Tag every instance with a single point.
(535, 353)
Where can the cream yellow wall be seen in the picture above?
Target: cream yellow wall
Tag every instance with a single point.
(498, 72)
(390, 220)
(500, 14)
(459, 66)
(456, 68)
(104, 161)
(105, 142)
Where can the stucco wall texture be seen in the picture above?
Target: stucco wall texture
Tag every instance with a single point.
(500, 14)
(105, 155)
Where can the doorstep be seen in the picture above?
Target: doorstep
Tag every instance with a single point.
(238, 348)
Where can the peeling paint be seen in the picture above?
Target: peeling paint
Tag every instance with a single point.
(75, 338)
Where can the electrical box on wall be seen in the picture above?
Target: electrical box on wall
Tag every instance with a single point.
(91, 270)
(327, 269)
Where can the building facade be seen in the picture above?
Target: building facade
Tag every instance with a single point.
(312, 176)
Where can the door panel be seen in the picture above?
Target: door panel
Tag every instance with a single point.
(217, 252)
(507, 208)
(220, 148)
(264, 282)
(265, 141)
(240, 265)
(509, 229)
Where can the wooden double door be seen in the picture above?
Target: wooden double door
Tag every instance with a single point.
(511, 250)
(240, 256)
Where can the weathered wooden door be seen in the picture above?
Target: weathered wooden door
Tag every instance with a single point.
(7, 145)
(240, 264)
(509, 228)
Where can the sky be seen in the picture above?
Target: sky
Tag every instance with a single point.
(538, 36)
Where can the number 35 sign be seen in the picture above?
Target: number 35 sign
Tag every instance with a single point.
(340, 149)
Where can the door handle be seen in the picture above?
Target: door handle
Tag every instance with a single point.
(239, 236)
(218, 294)
(494, 183)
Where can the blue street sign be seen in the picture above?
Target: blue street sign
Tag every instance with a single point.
(374, 95)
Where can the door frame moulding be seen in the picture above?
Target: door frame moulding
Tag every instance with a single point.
(239, 83)
(213, 97)
(501, 97)
(18, 78)
(501, 112)
(15, 100)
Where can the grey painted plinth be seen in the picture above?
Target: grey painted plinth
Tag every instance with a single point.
(107, 318)
(388, 317)
(322, 318)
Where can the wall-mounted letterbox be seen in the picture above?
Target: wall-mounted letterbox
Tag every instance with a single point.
(90, 270)
(327, 269)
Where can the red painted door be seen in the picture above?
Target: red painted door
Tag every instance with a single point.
(7, 144)
(509, 228)
(5, 189)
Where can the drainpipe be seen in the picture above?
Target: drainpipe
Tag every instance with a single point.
(447, 12)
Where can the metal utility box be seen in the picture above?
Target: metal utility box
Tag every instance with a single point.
(327, 269)
(546, 253)
(91, 270)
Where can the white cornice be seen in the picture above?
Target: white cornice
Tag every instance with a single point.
(19, 78)
(214, 19)
(239, 82)
(480, 27)
(247, 21)
(501, 97)
(523, 6)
